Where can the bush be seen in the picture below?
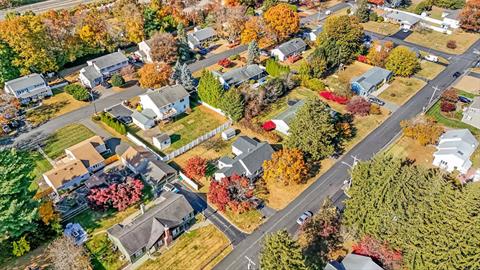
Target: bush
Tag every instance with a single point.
(373, 16)
(358, 106)
(380, 19)
(77, 91)
(314, 84)
(275, 69)
(331, 96)
(375, 109)
(452, 44)
(446, 106)
(117, 80)
(113, 123)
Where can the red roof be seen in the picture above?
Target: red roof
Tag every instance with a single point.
(269, 126)
(377, 2)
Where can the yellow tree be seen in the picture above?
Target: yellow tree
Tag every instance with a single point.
(378, 53)
(287, 166)
(255, 29)
(47, 212)
(282, 20)
(131, 17)
(93, 30)
(154, 75)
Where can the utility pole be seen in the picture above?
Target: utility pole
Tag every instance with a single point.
(435, 88)
(251, 265)
(348, 182)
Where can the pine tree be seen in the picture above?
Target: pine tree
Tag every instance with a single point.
(253, 52)
(281, 252)
(363, 12)
(186, 78)
(209, 89)
(176, 72)
(232, 104)
(18, 210)
(181, 36)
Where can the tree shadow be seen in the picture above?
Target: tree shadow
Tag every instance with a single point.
(175, 138)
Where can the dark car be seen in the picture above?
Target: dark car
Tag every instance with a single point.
(367, 38)
(376, 101)
(106, 84)
(203, 51)
(457, 74)
(464, 99)
(125, 119)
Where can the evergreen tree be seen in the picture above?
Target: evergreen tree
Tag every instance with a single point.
(176, 72)
(181, 36)
(253, 52)
(7, 70)
(184, 52)
(363, 12)
(209, 89)
(186, 78)
(232, 104)
(281, 252)
(18, 210)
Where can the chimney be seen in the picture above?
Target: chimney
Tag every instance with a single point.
(142, 208)
(168, 237)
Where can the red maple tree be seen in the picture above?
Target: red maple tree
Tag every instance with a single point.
(233, 192)
(118, 196)
(371, 247)
(358, 106)
(196, 167)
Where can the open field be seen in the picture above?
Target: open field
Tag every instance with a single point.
(401, 90)
(192, 250)
(438, 41)
(384, 28)
(66, 137)
(429, 70)
(409, 148)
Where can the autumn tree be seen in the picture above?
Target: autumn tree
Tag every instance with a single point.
(378, 53)
(163, 48)
(20, 247)
(469, 17)
(209, 89)
(231, 193)
(425, 130)
(450, 95)
(230, 22)
(18, 209)
(154, 75)
(65, 254)
(93, 29)
(256, 30)
(196, 167)
(281, 251)
(313, 130)
(232, 104)
(368, 246)
(402, 62)
(358, 106)
(282, 20)
(131, 16)
(118, 196)
(47, 212)
(287, 167)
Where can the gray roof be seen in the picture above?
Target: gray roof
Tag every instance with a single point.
(372, 77)
(167, 95)
(452, 13)
(458, 142)
(296, 45)
(109, 60)
(242, 74)
(149, 113)
(359, 262)
(91, 73)
(230, 132)
(317, 30)
(162, 137)
(25, 81)
(148, 228)
(244, 143)
(287, 115)
(476, 103)
(203, 34)
(140, 117)
(402, 17)
(157, 170)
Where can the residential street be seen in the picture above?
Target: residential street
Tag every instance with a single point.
(331, 182)
(321, 14)
(46, 5)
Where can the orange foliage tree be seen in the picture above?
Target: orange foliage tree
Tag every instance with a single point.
(378, 53)
(286, 166)
(470, 16)
(255, 29)
(282, 20)
(425, 130)
(47, 212)
(154, 75)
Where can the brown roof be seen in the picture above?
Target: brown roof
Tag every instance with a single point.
(135, 154)
(62, 174)
(86, 152)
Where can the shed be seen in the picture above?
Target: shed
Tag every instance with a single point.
(228, 134)
(162, 141)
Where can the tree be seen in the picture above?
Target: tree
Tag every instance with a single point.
(77, 91)
(363, 11)
(230, 22)
(118, 196)
(425, 130)
(358, 106)
(20, 247)
(281, 251)
(287, 166)
(450, 4)
(282, 20)
(117, 80)
(176, 72)
(163, 48)
(313, 130)
(131, 15)
(231, 193)
(446, 106)
(232, 104)
(253, 52)
(47, 212)
(378, 53)
(276, 69)
(18, 210)
(267, 4)
(402, 62)
(196, 167)
(452, 44)
(7, 70)
(186, 78)
(93, 30)
(65, 254)
(450, 95)
(154, 75)
(370, 247)
(469, 16)
(256, 29)
(209, 89)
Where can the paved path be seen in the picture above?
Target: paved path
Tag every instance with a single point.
(44, 6)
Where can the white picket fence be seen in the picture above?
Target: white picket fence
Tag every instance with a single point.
(189, 181)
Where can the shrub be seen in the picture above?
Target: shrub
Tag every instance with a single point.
(452, 44)
(451, 95)
(77, 91)
(331, 96)
(358, 106)
(275, 69)
(446, 106)
(315, 84)
(117, 80)
(118, 196)
(113, 123)
(375, 109)
(196, 167)
(380, 19)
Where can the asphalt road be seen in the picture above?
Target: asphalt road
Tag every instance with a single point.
(41, 7)
(330, 183)
(319, 16)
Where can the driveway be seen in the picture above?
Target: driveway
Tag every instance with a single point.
(214, 58)
(401, 34)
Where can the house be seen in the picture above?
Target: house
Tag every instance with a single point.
(454, 149)
(166, 102)
(407, 21)
(154, 228)
(66, 176)
(144, 119)
(237, 76)
(370, 81)
(27, 88)
(201, 37)
(353, 262)
(248, 161)
(141, 161)
(144, 51)
(451, 18)
(314, 33)
(162, 141)
(294, 46)
(471, 115)
(282, 120)
(99, 68)
(89, 153)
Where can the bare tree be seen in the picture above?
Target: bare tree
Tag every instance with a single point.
(230, 21)
(163, 48)
(64, 254)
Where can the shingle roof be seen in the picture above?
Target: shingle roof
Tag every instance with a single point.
(66, 172)
(148, 228)
(372, 77)
(167, 95)
(287, 115)
(402, 17)
(458, 142)
(245, 143)
(359, 262)
(86, 152)
(140, 117)
(90, 72)
(241, 74)
(25, 81)
(296, 45)
(109, 60)
(203, 34)
(156, 169)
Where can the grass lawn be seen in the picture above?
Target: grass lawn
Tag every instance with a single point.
(438, 41)
(59, 104)
(41, 164)
(436, 113)
(197, 249)
(429, 70)
(247, 221)
(383, 28)
(342, 78)
(401, 90)
(97, 221)
(102, 254)
(406, 147)
(66, 137)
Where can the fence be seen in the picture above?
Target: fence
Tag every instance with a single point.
(189, 181)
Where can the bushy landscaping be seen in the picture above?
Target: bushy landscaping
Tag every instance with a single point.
(103, 256)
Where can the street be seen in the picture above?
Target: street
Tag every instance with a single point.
(44, 6)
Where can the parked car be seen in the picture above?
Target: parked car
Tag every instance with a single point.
(125, 119)
(431, 58)
(464, 99)
(264, 53)
(106, 84)
(457, 74)
(376, 101)
(170, 187)
(304, 217)
(328, 12)
(203, 51)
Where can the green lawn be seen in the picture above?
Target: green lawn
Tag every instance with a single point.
(66, 137)
(102, 254)
(41, 164)
(436, 113)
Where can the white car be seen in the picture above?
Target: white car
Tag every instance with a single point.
(304, 217)
(328, 12)
(431, 58)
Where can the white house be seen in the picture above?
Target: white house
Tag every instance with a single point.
(404, 19)
(166, 102)
(454, 149)
(294, 46)
(314, 33)
(144, 51)
(104, 66)
(237, 76)
(145, 119)
(471, 114)
(162, 141)
(283, 120)
(201, 37)
(27, 88)
(450, 18)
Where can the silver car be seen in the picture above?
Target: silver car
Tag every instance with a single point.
(304, 217)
